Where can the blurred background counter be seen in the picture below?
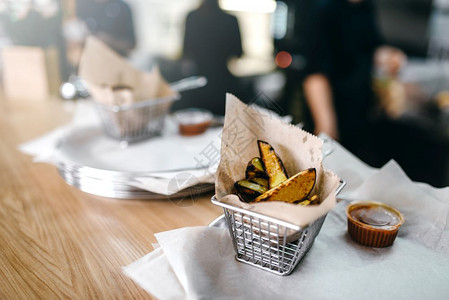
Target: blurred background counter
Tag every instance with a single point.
(41, 41)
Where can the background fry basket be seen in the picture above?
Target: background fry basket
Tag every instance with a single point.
(269, 243)
(143, 119)
(135, 122)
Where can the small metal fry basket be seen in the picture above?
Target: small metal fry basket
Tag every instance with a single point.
(144, 119)
(135, 122)
(266, 242)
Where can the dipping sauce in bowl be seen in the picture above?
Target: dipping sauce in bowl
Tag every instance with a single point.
(193, 121)
(373, 224)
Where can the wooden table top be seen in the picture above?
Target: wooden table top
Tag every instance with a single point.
(59, 242)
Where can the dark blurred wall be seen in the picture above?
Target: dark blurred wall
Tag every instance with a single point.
(404, 24)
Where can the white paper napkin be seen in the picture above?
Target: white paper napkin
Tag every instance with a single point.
(172, 182)
(425, 209)
(202, 260)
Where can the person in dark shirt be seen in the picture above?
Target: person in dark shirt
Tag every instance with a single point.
(111, 21)
(212, 37)
(21, 29)
(295, 43)
(344, 42)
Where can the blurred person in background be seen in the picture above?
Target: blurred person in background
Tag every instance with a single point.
(292, 45)
(35, 23)
(344, 44)
(212, 37)
(109, 20)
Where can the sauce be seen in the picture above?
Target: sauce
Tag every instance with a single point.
(194, 129)
(373, 224)
(193, 121)
(377, 216)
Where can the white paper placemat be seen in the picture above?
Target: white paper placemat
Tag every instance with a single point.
(198, 262)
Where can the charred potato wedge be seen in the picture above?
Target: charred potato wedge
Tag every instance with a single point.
(255, 169)
(310, 200)
(304, 203)
(248, 190)
(261, 181)
(274, 168)
(295, 189)
(314, 199)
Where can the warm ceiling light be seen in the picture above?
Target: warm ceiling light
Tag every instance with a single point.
(261, 6)
(283, 59)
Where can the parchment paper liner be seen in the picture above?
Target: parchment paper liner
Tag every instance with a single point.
(103, 70)
(298, 150)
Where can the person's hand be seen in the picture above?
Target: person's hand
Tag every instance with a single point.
(330, 131)
(389, 60)
(318, 94)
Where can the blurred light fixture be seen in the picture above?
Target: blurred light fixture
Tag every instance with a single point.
(279, 24)
(283, 59)
(260, 6)
(75, 87)
(67, 91)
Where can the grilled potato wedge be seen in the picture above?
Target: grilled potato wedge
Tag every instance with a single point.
(274, 168)
(314, 199)
(295, 189)
(248, 190)
(304, 203)
(255, 169)
(309, 200)
(261, 181)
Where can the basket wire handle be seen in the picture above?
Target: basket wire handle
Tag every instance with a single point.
(188, 83)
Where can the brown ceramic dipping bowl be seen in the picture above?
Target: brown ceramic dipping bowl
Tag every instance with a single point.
(193, 121)
(373, 224)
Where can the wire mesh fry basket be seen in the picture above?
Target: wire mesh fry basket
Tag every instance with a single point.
(135, 122)
(144, 119)
(269, 243)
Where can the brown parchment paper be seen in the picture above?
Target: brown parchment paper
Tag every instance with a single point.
(102, 69)
(298, 150)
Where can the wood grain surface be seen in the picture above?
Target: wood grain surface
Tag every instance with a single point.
(58, 242)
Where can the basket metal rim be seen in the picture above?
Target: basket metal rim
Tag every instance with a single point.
(140, 104)
(256, 215)
(215, 201)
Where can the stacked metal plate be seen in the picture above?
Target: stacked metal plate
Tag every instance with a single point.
(94, 163)
(118, 186)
